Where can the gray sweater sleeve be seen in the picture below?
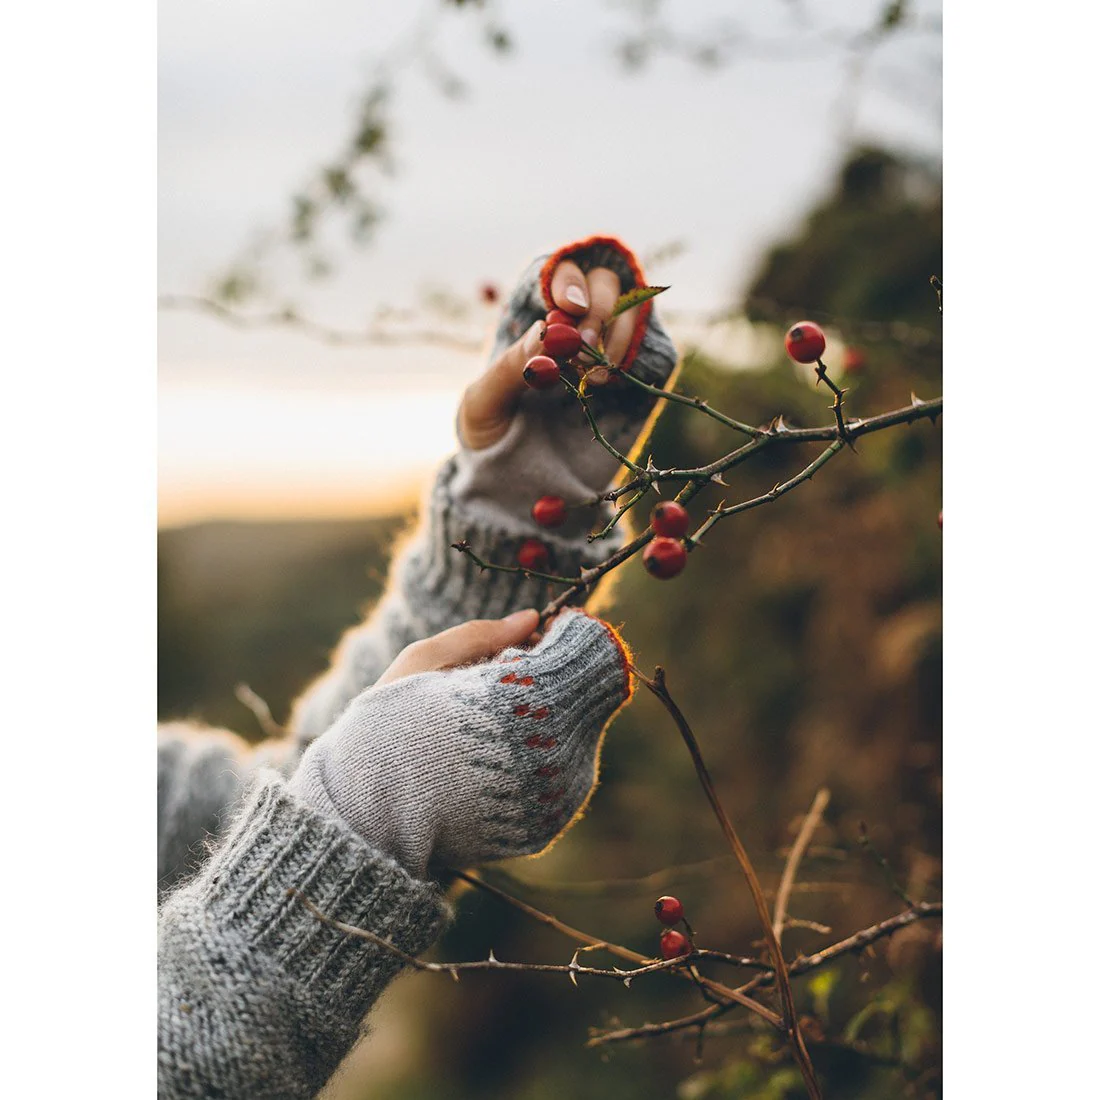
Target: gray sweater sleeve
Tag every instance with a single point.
(257, 997)
(201, 774)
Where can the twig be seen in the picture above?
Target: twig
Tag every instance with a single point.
(887, 870)
(837, 405)
(790, 1017)
(464, 547)
(766, 498)
(586, 406)
(693, 402)
(260, 710)
(289, 318)
(923, 910)
(809, 826)
(618, 515)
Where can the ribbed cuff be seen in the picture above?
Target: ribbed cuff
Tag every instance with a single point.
(587, 660)
(277, 844)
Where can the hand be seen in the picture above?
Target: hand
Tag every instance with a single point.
(465, 644)
(457, 766)
(489, 404)
(519, 444)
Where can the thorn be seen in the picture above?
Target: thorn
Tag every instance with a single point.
(626, 982)
(716, 479)
(915, 399)
(573, 979)
(492, 957)
(454, 974)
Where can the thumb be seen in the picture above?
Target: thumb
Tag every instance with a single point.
(489, 403)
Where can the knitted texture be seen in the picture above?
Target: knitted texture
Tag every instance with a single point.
(478, 763)
(201, 774)
(257, 997)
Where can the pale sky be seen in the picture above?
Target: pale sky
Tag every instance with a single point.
(552, 142)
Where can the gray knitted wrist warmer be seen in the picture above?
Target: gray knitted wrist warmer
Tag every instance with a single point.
(257, 997)
(473, 764)
(549, 448)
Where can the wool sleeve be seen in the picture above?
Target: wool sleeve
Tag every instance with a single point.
(201, 775)
(257, 997)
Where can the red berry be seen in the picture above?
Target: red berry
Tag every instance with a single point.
(560, 317)
(561, 341)
(671, 519)
(854, 360)
(489, 293)
(549, 511)
(674, 944)
(805, 342)
(541, 372)
(533, 555)
(669, 910)
(664, 557)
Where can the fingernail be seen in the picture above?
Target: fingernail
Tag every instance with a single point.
(590, 336)
(516, 616)
(577, 295)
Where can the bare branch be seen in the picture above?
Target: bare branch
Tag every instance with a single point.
(289, 318)
(723, 991)
(809, 826)
(464, 547)
(260, 710)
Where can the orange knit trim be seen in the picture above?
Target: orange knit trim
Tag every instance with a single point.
(644, 309)
(624, 654)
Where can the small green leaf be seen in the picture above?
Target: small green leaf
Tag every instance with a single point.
(635, 297)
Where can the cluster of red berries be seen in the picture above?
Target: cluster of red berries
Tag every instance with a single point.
(666, 555)
(670, 911)
(546, 512)
(560, 341)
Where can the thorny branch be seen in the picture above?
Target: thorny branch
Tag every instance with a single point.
(697, 479)
(800, 966)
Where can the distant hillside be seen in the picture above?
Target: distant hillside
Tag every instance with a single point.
(261, 603)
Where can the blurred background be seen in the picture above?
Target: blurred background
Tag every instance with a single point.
(345, 191)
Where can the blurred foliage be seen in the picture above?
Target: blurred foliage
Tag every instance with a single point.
(803, 643)
(346, 192)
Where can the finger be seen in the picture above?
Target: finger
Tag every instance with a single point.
(603, 289)
(490, 402)
(568, 288)
(619, 334)
(462, 645)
